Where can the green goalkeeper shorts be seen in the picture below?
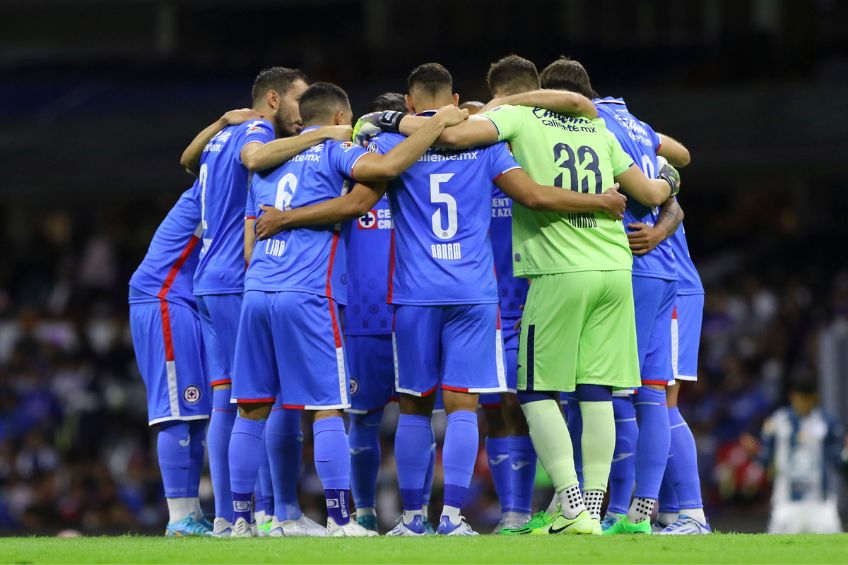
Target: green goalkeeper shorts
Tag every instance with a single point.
(579, 328)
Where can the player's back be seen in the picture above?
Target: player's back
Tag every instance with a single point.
(368, 240)
(311, 259)
(641, 142)
(574, 153)
(512, 290)
(168, 267)
(223, 182)
(441, 209)
(688, 279)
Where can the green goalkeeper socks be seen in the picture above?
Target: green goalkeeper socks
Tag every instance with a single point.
(598, 444)
(551, 441)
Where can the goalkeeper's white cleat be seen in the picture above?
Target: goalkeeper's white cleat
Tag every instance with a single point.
(300, 528)
(350, 530)
(222, 528)
(244, 529)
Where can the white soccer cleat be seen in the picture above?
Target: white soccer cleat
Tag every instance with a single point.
(414, 528)
(243, 529)
(448, 528)
(300, 528)
(350, 530)
(222, 528)
(686, 526)
(511, 521)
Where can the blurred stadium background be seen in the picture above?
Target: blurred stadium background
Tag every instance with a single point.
(99, 97)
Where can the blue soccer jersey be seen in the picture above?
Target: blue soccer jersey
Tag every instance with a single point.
(512, 290)
(441, 253)
(167, 269)
(641, 142)
(309, 259)
(689, 281)
(223, 189)
(368, 240)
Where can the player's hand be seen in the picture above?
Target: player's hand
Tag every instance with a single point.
(371, 124)
(234, 117)
(643, 238)
(614, 202)
(338, 133)
(670, 175)
(451, 115)
(270, 222)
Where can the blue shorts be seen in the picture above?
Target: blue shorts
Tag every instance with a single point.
(219, 319)
(372, 371)
(654, 301)
(686, 336)
(169, 353)
(457, 347)
(290, 343)
(510, 335)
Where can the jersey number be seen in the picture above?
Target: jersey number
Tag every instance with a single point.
(578, 165)
(285, 192)
(201, 177)
(437, 197)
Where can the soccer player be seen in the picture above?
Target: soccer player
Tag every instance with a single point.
(512, 460)
(443, 287)
(654, 293)
(578, 329)
(221, 155)
(166, 338)
(289, 339)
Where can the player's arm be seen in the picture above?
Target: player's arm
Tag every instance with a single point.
(354, 204)
(559, 101)
(674, 151)
(257, 157)
(190, 159)
(518, 185)
(650, 192)
(249, 238)
(376, 167)
(644, 238)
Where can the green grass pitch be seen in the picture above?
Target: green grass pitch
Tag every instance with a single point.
(717, 548)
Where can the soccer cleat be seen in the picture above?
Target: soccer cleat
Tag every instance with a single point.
(538, 520)
(188, 526)
(609, 520)
(222, 528)
(244, 529)
(349, 530)
(625, 527)
(448, 528)
(582, 524)
(200, 517)
(300, 528)
(428, 527)
(686, 526)
(368, 521)
(264, 529)
(511, 521)
(414, 528)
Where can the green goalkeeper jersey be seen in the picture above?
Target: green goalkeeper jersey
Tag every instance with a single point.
(573, 153)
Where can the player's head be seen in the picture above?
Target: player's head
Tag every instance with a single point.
(473, 106)
(276, 92)
(393, 101)
(512, 75)
(803, 392)
(568, 74)
(325, 104)
(429, 86)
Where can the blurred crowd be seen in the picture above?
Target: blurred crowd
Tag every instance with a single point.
(76, 452)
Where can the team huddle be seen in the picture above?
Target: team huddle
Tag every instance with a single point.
(525, 256)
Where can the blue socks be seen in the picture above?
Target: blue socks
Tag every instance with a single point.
(683, 464)
(413, 441)
(264, 491)
(284, 443)
(365, 457)
(623, 470)
(246, 455)
(652, 445)
(574, 421)
(522, 458)
(459, 456)
(174, 452)
(497, 450)
(332, 462)
(197, 449)
(428, 476)
(218, 443)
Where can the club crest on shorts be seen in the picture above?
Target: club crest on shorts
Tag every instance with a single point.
(354, 386)
(191, 394)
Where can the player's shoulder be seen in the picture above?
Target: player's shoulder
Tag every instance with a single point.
(254, 127)
(384, 140)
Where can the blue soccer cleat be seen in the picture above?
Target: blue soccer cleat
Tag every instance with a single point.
(686, 526)
(414, 528)
(448, 528)
(188, 526)
(368, 521)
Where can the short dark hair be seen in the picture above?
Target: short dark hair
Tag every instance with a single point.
(512, 74)
(389, 101)
(321, 99)
(275, 78)
(567, 74)
(803, 381)
(432, 77)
